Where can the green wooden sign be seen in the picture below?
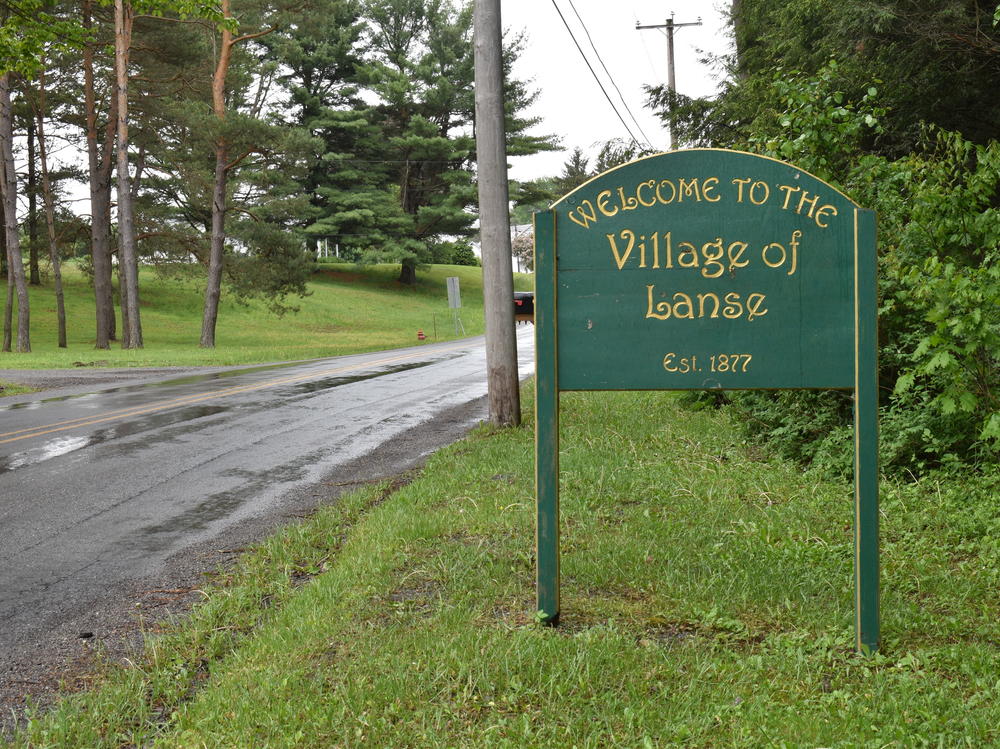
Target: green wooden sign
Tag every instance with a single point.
(707, 269)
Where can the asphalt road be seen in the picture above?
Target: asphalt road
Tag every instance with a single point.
(105, 494)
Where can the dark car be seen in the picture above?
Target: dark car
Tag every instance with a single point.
(524, 306)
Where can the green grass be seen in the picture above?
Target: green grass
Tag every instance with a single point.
(349, 309)
(707, 602)
(10, 388)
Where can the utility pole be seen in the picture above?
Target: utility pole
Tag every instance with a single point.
(670, 26)
(503, 383)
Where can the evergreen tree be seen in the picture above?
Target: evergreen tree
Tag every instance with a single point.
(935, 62)
(576, 171)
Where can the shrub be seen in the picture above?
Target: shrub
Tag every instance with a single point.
(939, 287)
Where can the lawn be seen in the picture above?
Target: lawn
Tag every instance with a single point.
(348, 309)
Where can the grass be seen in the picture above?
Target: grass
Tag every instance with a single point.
(349, 309)
(10, 388)
(707, 601)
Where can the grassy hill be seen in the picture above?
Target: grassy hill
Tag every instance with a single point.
(349, 309)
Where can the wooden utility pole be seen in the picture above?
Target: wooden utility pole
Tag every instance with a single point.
(670, 26)
(494, 219)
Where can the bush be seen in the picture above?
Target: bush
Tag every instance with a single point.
(463, 255)
(939, 288)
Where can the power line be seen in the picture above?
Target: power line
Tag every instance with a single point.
(608, 73)
(591, 69)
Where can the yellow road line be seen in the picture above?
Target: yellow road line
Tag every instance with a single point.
(62, 426)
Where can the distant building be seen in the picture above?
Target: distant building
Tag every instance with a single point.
(516, 230)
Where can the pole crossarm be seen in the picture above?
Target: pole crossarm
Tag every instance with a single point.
(669, 24)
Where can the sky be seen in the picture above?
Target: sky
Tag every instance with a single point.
(570, 101)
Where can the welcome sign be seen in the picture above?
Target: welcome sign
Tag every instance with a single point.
(706, 269)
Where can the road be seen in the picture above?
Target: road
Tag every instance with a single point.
(104, 493)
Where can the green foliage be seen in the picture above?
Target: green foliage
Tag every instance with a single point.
(528, 197)
(29, 30)
(393, 176)
(208, 10)
(936, 61)
(939, 280)
(616, 152)
(942, 289)
(814, 124)
(462, 254)
(576, 171)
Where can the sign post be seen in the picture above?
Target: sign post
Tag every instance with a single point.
(455, 303)
(707, 269)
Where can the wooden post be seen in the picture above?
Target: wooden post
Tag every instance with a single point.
(866, 521)
(546, 421)
(494, 220)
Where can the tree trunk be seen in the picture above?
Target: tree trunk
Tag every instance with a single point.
(213, 285)
(408, 272)
(8, 188)
(100, 196)
(8, 309)
(34, 275)
(216, 256)
(107, 170)
(128, 258)
(124, 307)
(50, 211)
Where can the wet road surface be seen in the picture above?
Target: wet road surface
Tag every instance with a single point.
(101, 488)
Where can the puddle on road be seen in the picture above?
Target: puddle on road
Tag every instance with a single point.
(220, 505)
(313, 386)
(305, 387)
(64, 445)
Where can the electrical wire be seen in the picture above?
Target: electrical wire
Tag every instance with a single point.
(598, 80)
(649, 57)
(608, 73)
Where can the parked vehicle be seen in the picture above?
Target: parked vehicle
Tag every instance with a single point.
(524, 306)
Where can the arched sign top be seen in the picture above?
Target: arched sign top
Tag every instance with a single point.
(670, 164)
(707, 268)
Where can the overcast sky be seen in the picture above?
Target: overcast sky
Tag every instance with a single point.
(571, 102)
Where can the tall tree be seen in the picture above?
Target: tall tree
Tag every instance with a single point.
(266, 20)
(8, 308)
(218, 170)
(25, 30)
(8, 190)
(128, 258)
(422, 73)
(40, 106)
(575, 171)
(937, 62)
(124, 17)
(101, 165)
(349, 206)
(31, 192)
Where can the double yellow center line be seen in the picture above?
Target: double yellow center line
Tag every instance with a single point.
(123, 413)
